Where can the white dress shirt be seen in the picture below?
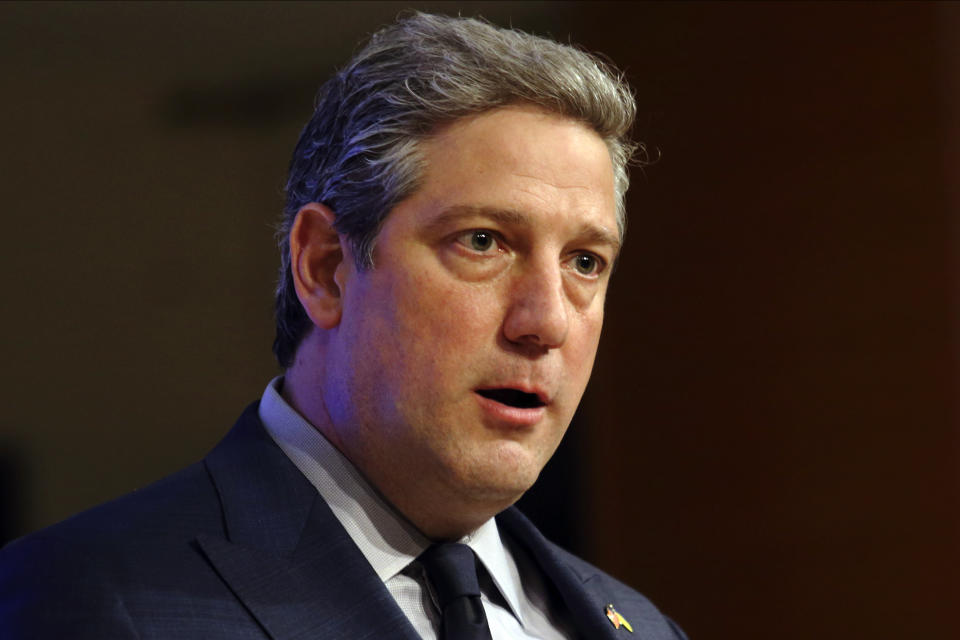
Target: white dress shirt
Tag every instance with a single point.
(514, 595)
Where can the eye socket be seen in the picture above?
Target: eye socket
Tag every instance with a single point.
(587, 264)
(479, 240)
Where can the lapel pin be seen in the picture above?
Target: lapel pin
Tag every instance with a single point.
(616, 619)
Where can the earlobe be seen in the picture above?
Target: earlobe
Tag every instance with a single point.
(315, 254)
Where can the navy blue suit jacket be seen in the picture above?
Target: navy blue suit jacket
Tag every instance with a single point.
(241, 546)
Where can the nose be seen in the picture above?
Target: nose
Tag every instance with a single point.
(538, 311)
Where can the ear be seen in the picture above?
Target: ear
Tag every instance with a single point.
(315, 254)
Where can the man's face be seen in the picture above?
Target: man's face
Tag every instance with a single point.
(462, 355)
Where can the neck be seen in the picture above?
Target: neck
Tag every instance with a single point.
(427, 503)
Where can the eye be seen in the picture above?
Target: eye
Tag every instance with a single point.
(479, 240)
(587, 264)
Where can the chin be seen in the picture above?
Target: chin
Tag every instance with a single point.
(500, 489)
(495, 477)
(489, 501)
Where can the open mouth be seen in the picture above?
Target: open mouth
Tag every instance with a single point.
(512, 398)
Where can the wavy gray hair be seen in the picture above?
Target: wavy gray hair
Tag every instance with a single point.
(360, 154)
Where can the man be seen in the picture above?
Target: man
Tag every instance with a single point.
(454, 209)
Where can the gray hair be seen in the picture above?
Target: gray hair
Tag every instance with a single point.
(360, 154)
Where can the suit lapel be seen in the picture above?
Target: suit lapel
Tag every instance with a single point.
(585, 607)
(285, 556)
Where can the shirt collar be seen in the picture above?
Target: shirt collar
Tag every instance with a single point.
(387, 540)
(498, 562)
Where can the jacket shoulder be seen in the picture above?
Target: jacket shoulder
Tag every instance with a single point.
(600, 589)
(179, 502)
(71, 579)
(622, 596)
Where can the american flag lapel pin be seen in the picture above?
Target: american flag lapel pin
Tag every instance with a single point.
(616, 619)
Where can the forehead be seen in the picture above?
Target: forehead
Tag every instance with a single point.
(519, 159)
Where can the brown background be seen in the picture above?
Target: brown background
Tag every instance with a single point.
(769, 445)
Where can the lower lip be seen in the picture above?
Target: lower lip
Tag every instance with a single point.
(513, 416)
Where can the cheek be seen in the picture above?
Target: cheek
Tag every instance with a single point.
(447, 316)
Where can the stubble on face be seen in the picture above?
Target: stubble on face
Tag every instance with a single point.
(477, 286)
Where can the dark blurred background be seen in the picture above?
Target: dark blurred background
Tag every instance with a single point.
(769, 445)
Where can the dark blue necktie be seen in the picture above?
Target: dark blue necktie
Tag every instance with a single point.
(452, 571)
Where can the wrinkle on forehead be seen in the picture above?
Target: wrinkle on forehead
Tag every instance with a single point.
(555, 186)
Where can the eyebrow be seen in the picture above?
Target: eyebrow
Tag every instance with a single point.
(509, 217)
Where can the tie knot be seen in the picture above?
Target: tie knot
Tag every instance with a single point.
(452, 570)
